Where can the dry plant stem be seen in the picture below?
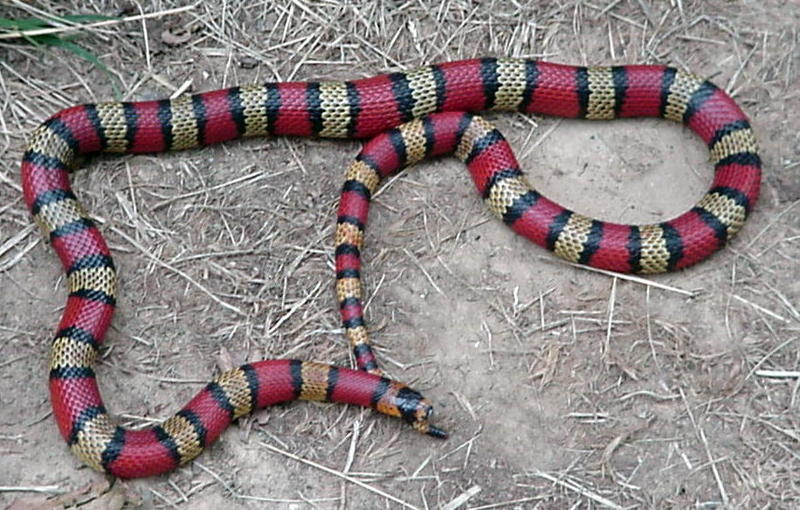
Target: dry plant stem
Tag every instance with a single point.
(339, 474)
(91, 26)
(236, 240)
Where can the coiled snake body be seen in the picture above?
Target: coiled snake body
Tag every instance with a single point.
(387, 104)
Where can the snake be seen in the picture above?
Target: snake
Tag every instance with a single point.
(408, 116)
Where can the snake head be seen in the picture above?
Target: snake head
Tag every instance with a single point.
(416, 410)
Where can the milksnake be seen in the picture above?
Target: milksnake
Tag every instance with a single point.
(362, 109)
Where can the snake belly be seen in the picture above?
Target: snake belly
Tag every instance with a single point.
(356, 109)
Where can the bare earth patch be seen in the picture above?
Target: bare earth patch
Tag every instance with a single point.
(561, 387)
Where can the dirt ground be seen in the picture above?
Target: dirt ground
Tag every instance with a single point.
(561, 387)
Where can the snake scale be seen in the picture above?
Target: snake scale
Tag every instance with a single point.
(401, 109)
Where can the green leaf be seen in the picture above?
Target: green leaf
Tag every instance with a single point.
(91, 58)
(80, 18)
(60, 41)
(22, 24)
(37, 23)
(84, 54)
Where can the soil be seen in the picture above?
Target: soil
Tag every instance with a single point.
(561, 387)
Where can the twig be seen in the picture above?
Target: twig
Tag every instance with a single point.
(623, 276)
(612, 299)
(421, 268)
(29, 488)
(338, 474)
(16, 34)
(583, 491)
(779, 374)
(760, 308)
(462, 498)
(723, 493)
(177, 271)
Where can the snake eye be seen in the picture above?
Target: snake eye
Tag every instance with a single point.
(424, 410)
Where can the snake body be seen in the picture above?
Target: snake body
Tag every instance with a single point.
(361, 109)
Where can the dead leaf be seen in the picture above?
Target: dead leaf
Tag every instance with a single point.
(224, 360)
(33, 503)
(175, 36)
(78, 497)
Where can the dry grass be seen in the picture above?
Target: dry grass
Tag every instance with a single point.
(562, 387)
